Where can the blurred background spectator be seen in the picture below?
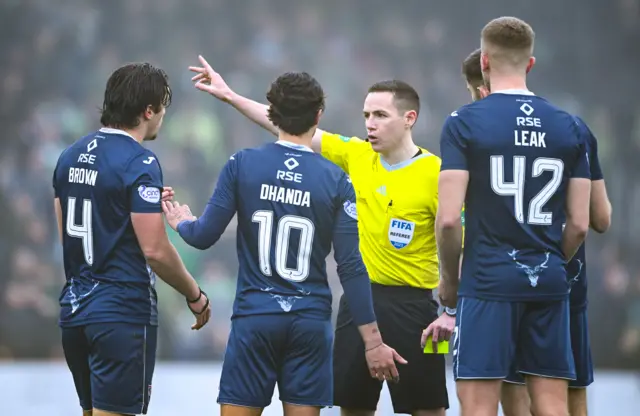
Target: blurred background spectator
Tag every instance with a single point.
(56, 57)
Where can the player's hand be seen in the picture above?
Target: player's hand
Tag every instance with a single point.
(210, 81)
(167, 193)
(448, 292)
(201, 309)
(381, 361)
(439, 330)
(176, 213)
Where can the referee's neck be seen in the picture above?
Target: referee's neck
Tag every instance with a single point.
(405, 150)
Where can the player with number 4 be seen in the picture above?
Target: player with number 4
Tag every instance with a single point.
(292, 206)
(519, 165)
(108, 193)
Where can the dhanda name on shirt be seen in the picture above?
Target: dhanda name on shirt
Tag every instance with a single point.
(83, 176)
(285, 195)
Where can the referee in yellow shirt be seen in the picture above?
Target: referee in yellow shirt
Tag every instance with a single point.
(396, 184)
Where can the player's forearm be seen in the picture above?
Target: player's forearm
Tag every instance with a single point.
(370, 335)
(449, 242)
(168, 265)
(254, 111)
(206, 230)
(572, 238)
(599, 207)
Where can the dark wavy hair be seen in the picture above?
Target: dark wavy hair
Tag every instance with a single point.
(130, 90)
(295, 99)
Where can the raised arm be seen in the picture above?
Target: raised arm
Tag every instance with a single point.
(210, 81)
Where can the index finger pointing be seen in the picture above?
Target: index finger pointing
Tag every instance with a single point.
(204, 63)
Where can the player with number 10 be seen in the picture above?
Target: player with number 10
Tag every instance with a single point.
(292, 206)
(108, 191)
(520, 167)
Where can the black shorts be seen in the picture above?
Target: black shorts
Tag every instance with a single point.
(402, 313)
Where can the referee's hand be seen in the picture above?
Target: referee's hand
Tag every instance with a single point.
(439, 330)
(381, 361)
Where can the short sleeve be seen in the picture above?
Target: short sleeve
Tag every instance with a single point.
(54, 180)
(346, 221)
(337, 148)
(453, 147)
(592, 150)
(225, 193)
(580, 168)
(144, 183)
(56, 190)
(594, 161)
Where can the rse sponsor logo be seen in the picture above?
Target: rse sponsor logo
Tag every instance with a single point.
(528, 122)
(149, 160)
(400, 232)
(350, 209)
(86, 158)
(149, 194)
(289, 176)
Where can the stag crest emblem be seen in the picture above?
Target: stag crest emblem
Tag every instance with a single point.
(575, 278)
(533, 273)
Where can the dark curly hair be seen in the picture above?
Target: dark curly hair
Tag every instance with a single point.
(130, 89)
(295, 99)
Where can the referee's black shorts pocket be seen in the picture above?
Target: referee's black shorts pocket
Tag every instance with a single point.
(403, 314)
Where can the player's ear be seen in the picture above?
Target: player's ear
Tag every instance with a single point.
(318, 116)
(410, 118)
(532, 62)
(484, 62)
(148, 112)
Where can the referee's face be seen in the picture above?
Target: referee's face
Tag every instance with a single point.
(385, 124)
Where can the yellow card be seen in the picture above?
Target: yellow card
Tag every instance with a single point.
(443, 347)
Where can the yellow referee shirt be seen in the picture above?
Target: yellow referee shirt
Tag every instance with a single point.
(396, 208)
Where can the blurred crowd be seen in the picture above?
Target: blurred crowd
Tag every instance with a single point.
(56, 56)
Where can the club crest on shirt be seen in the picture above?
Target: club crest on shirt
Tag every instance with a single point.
(401, 232)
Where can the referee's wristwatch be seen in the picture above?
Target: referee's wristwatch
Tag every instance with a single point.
(450, 311)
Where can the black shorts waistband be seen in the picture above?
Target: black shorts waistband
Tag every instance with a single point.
(400, 292)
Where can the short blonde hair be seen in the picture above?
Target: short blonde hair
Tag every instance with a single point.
(508, 41)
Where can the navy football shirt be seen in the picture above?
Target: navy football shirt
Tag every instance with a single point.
(520, 152)
(100, 180)
(291, 205)
(577, 267)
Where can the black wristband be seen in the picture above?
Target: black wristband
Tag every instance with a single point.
(206, 304)
(198, 298)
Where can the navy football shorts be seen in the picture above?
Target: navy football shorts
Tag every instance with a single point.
(493, 337)
(112, 365)
(287, 349)
(581, 348)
